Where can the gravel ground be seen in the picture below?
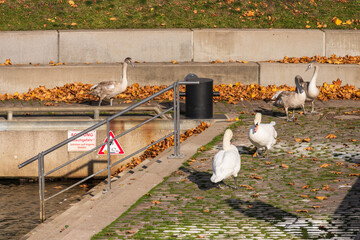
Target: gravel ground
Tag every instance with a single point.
(308, 188)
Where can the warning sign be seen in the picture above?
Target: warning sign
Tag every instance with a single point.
(84, 143)
(115, 147)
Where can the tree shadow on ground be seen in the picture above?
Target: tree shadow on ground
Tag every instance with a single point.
(347, 215)
(200, 178)
(260, 210)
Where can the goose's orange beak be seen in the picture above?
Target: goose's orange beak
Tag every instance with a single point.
(256, 128)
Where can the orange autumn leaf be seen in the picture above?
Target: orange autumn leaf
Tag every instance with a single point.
(284, 166)
(325, 165)
(354, 175)
(300, 211)
(305, 187)
(309, 148)
(247, 187)
(255, 176)
(331, 136)
(316, 207)
(321, 198)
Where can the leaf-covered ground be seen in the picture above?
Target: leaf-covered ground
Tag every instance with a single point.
(111, 14)
(307, 189)
(230, 93)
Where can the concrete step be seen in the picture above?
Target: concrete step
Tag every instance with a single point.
(19, 79)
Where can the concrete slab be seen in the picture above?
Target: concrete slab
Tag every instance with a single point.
(21, 78)
(109, 46)
(342, 42)
(279, 73)
(256, 44)
(29, 46)
(99, 209)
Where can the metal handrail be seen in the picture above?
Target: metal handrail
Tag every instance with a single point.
(40, 157)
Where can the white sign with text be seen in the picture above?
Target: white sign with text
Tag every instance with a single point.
(83, 143)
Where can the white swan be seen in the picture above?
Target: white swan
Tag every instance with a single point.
(311, 90)
(226, 162)
(109, 89)
(289, 99)
(262, 135)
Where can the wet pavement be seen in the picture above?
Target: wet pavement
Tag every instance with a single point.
(308, 188)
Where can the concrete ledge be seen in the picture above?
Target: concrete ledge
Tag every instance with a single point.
(29, 46)
(167, 73)
(37, 136)
(111, 46)
(280, 73)
(256, 44)
(164, 45)
(346, 42)
(21, 78)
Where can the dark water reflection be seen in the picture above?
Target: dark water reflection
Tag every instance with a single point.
(19, 204)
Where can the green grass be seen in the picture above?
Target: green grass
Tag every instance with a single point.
(111, 14)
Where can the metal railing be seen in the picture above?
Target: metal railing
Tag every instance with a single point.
(40, 157)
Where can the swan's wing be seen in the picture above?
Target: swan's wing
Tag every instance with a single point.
(276, 95)
(107, 86)
(232, 163)
(216, 166)
(217, 161)
(93, 87)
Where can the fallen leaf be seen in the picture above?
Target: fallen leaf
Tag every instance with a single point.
(331, 136)
(255, 176)
(309, 148)
(316, 207)
(300, 211)
(325, 165)
(321, 198)
(354, 175)
(284, 166)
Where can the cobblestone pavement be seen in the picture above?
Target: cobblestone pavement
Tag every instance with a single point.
(308, 188)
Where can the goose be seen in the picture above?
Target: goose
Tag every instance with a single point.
(227, 161)
(109, 89)
(262, 135)
(310, 88)
(289, 99)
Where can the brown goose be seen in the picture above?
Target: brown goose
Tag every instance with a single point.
(289, 99)
(110, 89)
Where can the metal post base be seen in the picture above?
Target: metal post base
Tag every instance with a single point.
(173, 156)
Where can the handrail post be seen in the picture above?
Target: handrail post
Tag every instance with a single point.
(41, 186)
(109, 141)
(177, 122)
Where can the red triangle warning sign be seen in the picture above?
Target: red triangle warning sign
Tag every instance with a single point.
(115, 147)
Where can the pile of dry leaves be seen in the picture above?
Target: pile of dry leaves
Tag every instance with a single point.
(230, 93)
(158, 148)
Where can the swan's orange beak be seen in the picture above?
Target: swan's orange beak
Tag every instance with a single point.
(256, 128)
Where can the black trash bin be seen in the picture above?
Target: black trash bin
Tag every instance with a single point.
(199, 98)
